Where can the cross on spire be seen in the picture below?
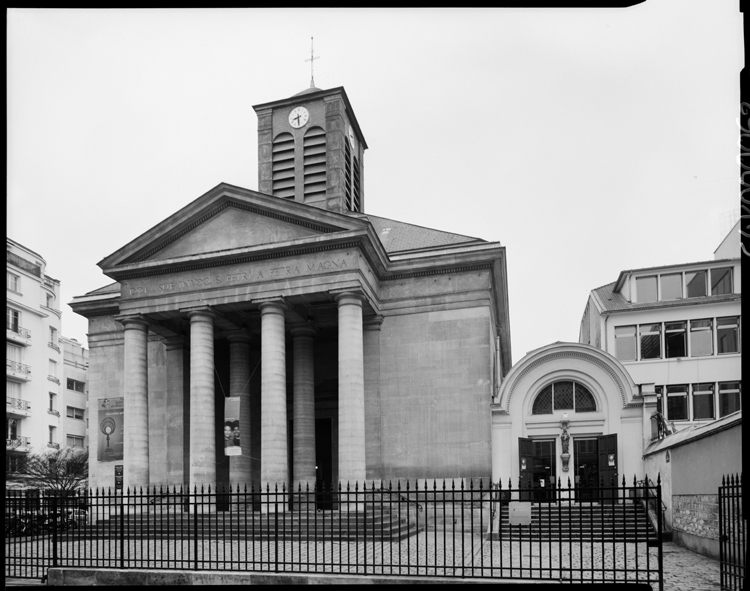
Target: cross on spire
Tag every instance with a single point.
(312, 58)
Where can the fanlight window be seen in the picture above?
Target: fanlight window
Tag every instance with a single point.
(564, 395)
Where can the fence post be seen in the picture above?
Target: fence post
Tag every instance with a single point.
(122, 526)
(195, 526)
(276, 527)
(53, 521)
(659, 520)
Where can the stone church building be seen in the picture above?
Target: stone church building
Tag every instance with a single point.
(285, 335)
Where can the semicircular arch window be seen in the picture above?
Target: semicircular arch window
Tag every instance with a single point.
(563, 395)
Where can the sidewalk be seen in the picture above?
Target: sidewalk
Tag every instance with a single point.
(683, 571)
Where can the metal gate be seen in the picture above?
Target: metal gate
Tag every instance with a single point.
(732, 533)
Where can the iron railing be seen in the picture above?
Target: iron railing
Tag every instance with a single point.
(455, 529)
(19, 330)
(18, 403)
(732, 533)
(17, 367)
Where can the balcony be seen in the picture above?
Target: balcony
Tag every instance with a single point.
(18, 444)
(53, 346)
(53, 379)
(17, 408)
(18, 371)
(53, 412)
(53, 445)
(17, 334)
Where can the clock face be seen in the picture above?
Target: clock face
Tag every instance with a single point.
(298, 117)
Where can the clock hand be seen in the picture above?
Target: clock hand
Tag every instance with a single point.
(297, 118)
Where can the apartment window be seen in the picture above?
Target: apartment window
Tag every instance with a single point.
(650, 341)
(12, 319)
(11, 427)
(75, 413)
(52, 401)
(50, 301)
(53, 368)
(13, 352)
(76, 385)
(728, 335)
(74, 441)
(677, 406)
(695, 283)
(12, 389)
(671, 286)
(675, 344)
(14, 281)
(625, 343)
(52, 335)
(701, 338)
(645, 288)
(703, 401)
(730, 397)
(721, 281)
(52, 434)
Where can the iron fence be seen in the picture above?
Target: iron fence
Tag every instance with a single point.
(462, 529)
(732, 533)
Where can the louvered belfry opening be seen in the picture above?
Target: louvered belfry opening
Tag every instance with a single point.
(314, 162)
(348, 174)
(283, 165)
(356, 201)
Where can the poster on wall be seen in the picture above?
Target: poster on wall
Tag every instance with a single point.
(232, 426)
(111, 420)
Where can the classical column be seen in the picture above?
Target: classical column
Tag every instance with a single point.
(178, 413)
(303, 413)
(274, 471)
(202, 404)
(351, 392)
(239, 386)
(135, 436)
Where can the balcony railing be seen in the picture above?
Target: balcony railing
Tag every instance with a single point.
(17, 367)
(53, 445)
(52, 411)
(55, 347)
(49, 282)
(17, 404)
(53, 379)
(24, 264)
(18, 442)
(19, 330)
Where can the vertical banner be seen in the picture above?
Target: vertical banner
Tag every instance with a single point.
(232, 426)
(111, 420)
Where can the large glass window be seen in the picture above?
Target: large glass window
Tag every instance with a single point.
(701, 338)
(76, 385)
(674, 339)
(563, 395)
(677, 406)
(730, 397)
(646, 288)
(695, 282)
(721, 281)
(625, 343)
(543, 402)
(75, 441)
(703, 401)
(650, 341)
(75, 413)
(12, 318)
(671, 286)
(13, 281)
(728, 335)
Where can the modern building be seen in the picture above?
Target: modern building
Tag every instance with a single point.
(285, 335)
(33, 368)
(75, 393)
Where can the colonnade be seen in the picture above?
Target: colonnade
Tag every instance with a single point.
(274, 417)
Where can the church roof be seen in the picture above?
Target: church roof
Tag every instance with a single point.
(309, 90)
(400, 236)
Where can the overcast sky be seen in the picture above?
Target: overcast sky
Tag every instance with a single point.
(585, 141)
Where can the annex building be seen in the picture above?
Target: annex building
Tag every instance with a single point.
(285, 335)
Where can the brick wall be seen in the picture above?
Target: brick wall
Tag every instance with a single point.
(696, 514)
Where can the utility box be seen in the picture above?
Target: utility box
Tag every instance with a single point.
(519, 513)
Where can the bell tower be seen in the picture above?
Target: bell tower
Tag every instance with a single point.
(311, 150)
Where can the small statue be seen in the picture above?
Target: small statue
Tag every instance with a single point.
(565, 440)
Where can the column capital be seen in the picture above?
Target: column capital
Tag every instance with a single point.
(372, 322)
(199, 311)
(349, 297)
(238, 336)
(271, 306)
(303, 329)
(133, 321)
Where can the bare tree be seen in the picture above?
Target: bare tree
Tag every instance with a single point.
(63, 470)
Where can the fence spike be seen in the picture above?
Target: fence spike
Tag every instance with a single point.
(390, 485)
(658, 478)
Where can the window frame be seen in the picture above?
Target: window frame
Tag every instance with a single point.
(75, 438)
(736, 328)
(621, 339)
(641, 336)
(552, 407)
(75, 384)
(697, 394)
(723, 390)
(698, 330)
(683, 331)
(697, 272)
(683, 393)
(642, 281)
(730, 271)
(13, 281)
(72, 411)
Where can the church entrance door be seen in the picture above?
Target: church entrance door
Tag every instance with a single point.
(586, 464)
(537, 469)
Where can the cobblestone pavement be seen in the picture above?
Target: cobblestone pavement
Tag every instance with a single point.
(430, 556)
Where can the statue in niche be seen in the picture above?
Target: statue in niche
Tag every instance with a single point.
(565, 440)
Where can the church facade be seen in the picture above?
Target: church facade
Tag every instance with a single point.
(285, 336)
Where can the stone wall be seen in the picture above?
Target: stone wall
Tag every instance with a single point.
(696, 514)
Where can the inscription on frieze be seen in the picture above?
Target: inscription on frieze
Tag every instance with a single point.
(230, 276)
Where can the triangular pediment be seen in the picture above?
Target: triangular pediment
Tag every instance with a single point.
(229, 219)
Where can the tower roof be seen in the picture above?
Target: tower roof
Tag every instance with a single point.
(308, 90)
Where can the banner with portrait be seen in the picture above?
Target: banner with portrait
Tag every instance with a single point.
(111, 420)
(231, 428)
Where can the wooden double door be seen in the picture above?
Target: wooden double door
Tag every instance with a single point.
(594, 469)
